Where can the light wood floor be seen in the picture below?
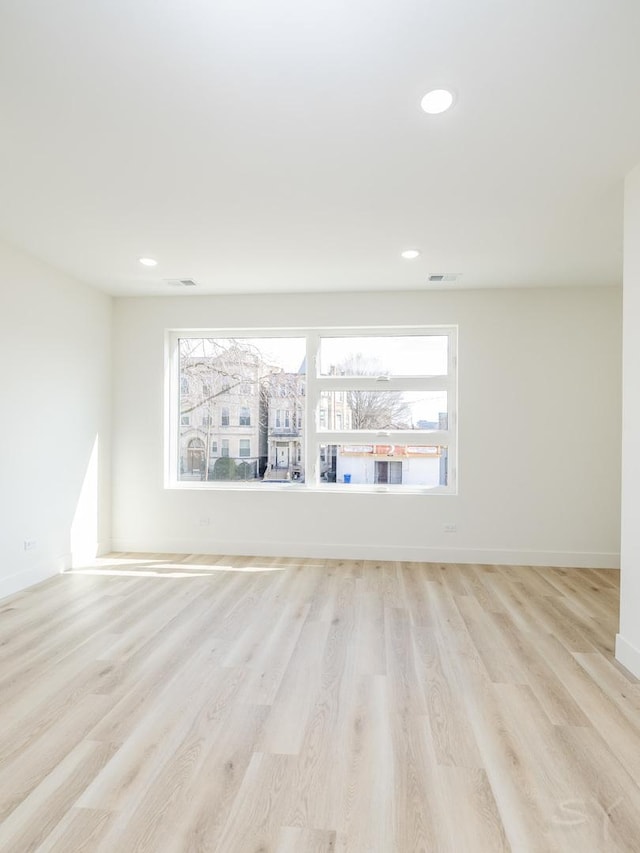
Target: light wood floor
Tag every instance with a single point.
(228, 704)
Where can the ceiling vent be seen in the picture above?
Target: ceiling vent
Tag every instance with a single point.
(448, 276)
(181, 282)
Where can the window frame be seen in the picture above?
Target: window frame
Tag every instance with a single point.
(314, 434)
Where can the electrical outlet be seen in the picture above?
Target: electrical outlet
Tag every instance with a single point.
(451, 528)
(30, 544)
(205, 521)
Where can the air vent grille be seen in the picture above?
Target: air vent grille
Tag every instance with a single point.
(448, 276)
(181, 282)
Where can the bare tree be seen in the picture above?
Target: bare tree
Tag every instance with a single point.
(215, 370)
(373, 409)
(212, 367)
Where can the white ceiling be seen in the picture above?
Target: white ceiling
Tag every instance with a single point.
(279, 146)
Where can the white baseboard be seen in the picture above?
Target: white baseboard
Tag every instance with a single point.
(33, 575)
(103, 548)
(628, 655)
(328, 550)
(87, 555)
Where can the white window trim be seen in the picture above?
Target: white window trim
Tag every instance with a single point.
(315, 384)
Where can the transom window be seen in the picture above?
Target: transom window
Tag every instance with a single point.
(361, 409)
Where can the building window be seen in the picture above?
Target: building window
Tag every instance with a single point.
(279, 418)
(184, 385)
(384, 399)
(214, 448)
(388, 472)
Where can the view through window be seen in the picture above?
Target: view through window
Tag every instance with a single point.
(375, 409)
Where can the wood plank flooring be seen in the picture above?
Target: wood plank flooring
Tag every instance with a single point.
(243, 705)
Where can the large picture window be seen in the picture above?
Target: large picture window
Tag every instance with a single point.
(370, 409)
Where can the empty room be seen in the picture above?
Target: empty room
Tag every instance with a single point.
(320, 443)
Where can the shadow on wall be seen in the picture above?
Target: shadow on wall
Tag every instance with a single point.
(84, 527)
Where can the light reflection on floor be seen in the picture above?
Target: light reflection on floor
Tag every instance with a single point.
(189, 567)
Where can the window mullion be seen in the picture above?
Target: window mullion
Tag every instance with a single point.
(411, 437)
(312, 399)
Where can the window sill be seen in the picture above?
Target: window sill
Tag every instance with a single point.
(302, 488)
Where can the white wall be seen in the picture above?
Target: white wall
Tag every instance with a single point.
(539, 435)
(628, 640)
(56, 392)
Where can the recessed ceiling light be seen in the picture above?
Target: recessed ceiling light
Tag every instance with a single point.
(437, 101)
(410, 254)
(148, 262)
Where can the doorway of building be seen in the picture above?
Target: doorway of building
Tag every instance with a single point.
(195, 456)
(282, 455)
(388, 472)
